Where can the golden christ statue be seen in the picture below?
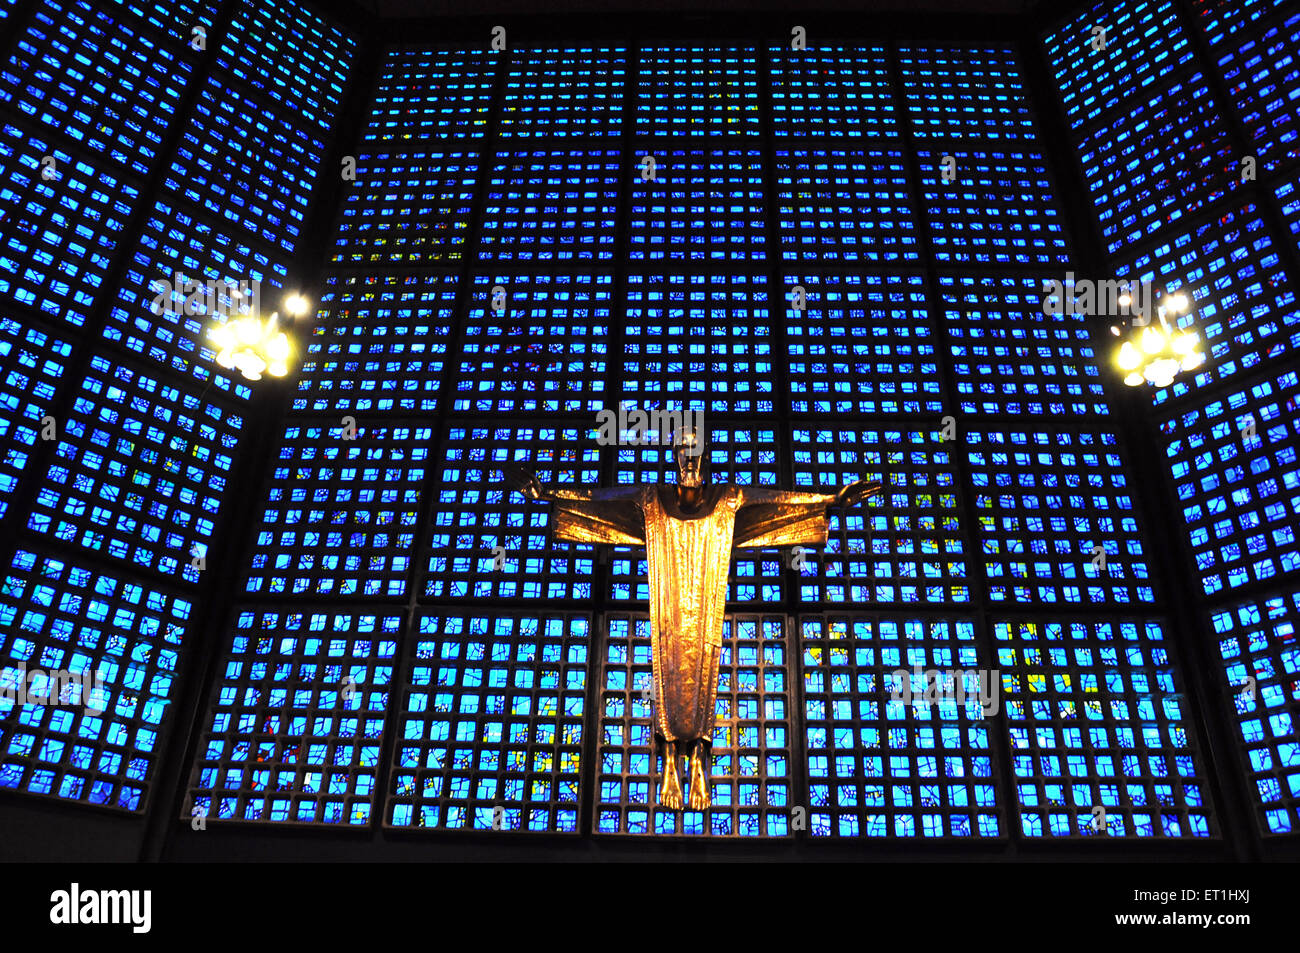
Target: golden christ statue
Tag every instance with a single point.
(688, 531)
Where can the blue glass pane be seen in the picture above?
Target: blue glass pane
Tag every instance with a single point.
(684, 91)
(885, 760)
(79, 72)
(155, 318)
(1011, 358)
(697, 204)
(906, 545)
(832, 91)
(292, 55)
(845, 205)
(341, 509)
(556, 205)
(965, 93)
(407, 208)
(1143, 43)
(544, 349)
(426, 94)
(1000, 208)
(32, 363)
(698, 342)
(561, 93)
(59, 228)
(1263, 77)
(1099, 734)
(98, 743)
(1057, 522)
(860, 345)
(297, 718)
(139, 472)
(379, 344)
(1237, 480)
(1243, 303)
(254, 172)
(1261, 682)
(491, 726)
(478, 523)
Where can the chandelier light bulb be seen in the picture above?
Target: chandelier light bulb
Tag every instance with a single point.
(1153, 341)
(1134, 379)
(296, 305)
(1130, 358)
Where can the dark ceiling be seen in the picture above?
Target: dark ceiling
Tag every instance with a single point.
(459, 8)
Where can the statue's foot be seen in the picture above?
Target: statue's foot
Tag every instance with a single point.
(670, 792)
(701, 797)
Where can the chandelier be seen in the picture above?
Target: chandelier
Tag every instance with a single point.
(253, 346)
(1155, 352)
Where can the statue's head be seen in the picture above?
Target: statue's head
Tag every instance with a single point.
(688, 452)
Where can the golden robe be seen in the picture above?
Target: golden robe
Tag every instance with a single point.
(689, 557)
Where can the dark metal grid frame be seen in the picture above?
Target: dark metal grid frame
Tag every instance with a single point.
(968, 92)
(297, 717)
(699, 341)
(478, 523)
(491, 723)
(302, 70)
(696, 204)
(565, 93)
(417, 94)
(1259, 679)
(60, 235)
(1233, 462)
(139, 471)
(57, 615)
(861, 345)
(1145, 45)
(1166, 160)
(1000, 209)
(152, 317)
(884, 763)
(1262, 75)
(240, 167)
(845, 205)
(1058, 523)
(815, 92)
(1095, 709)
(903, 547)
(550, 205)
(1010, 358)
(32, 362)
(85, 74)
(341, 509)
(379, 344)
(544, 350)
(408, 208)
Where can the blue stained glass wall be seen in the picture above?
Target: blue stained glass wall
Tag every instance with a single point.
(1190, 157)
(795, 261)
(122, 435)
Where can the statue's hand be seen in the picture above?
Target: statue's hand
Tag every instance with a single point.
(525, 481)
(855, 493)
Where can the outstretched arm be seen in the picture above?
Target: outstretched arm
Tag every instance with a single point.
(593, 515)
(791, 517)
